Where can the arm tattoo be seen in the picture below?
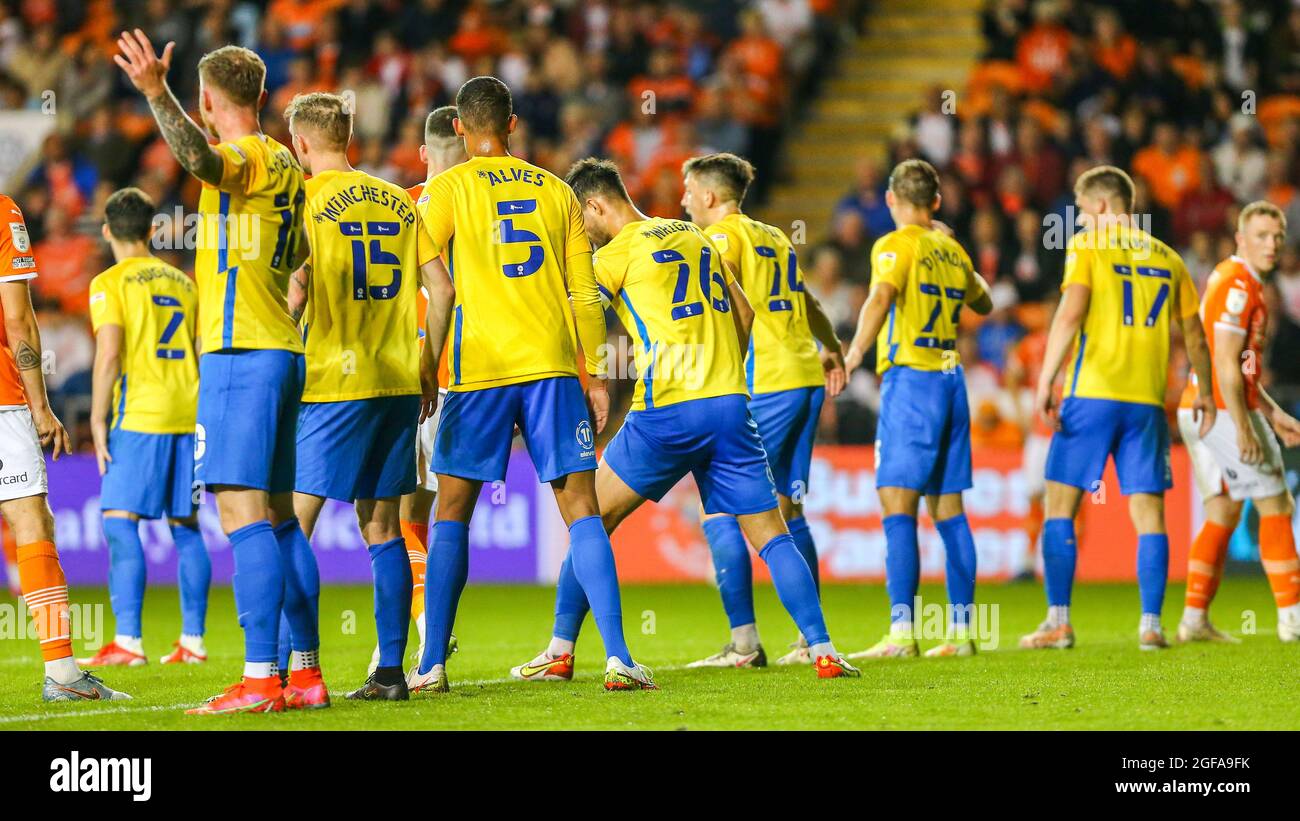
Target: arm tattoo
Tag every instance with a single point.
(185, 139)
(27, 357)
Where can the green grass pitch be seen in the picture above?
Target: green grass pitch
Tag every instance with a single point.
(1104, 683)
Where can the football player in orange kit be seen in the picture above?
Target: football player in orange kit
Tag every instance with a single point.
(26, 424)
(1239, 458)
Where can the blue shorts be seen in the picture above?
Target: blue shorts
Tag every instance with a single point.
(714, 439)
(1092, 430)
(248, 418)
(923, 436)
(151, 475)
(474, 434)
(359, 449)
(787, 422)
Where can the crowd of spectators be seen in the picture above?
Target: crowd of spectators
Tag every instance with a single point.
(1198, 100)
(646, 83)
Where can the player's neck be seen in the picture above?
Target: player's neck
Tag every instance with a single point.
(904, 217)
(330, 162)
(719, 213)
(624, 214)
(128, 250)
(234, 125)
(486, 145)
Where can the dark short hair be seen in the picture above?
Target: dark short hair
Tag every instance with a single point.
(483, 104)
(129, 213)
(727, 174)
(915, 182)
(595, 177)
(437, 126)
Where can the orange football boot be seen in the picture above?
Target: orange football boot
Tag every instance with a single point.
(306, 690)
(248, 695)
(835, 667)
(183, 655)
(114, 655)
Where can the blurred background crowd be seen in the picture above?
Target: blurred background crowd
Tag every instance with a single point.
(1198, 99)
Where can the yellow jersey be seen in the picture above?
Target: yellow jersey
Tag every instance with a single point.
(666, 281)
(252, 240)
(367, 245)
(157, 307)
(517, 252)
(1137, 284)
(782, 352)
(934, 278)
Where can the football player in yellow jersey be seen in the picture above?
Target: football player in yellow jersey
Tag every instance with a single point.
(146, 378)
(793, 361)
(690, 322)
(921, 280)
(441, 150)
(365, 372)
(251, 368)
(521, 264)
(1123, 291)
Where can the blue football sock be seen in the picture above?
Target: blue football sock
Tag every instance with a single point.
(444, 580)
(959, 547)
(301, 585)
(731, 568)
(194, 576)
(259, 588)
(1152, 570)
(126, 573)
(902, 565)
(593, 565)
(570, 603)
(803, 539)
(392, 574)
(1059, 555)
(795, 588)
(285, 644)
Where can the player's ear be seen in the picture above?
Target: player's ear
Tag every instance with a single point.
(457, 126)
(105, 233)
(889, 199)
(511, 123)
(261, 100)
(934, 206)
(424, 153)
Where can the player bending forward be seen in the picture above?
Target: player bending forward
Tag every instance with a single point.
(362, 399)
(1123, 289)
(922, 279)
(787, 378)
(1239, 458)
(522, 266)
(251, 369)
(689, 413)
(146, 377)
(27, 424)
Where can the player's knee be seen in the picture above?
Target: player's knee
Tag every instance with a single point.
(1147, 510)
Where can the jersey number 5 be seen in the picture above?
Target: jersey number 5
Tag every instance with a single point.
(508, 234)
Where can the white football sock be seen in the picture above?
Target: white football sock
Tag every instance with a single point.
(1058, 614)
(261, 669)
(1150, 621)
(304, 659)
(1194, 616)
(823, 649)
(194, 644)
(64, 670)
(559, 647)
(901, 629)
(1290, 614)
(131, 643)
(745, 637)
(419, 628)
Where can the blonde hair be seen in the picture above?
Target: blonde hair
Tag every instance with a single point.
(1260, 208)
(915, 182)
(237, 72)
(326, 116)
(1107, 181)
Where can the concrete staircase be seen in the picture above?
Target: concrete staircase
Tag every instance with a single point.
(909, 47)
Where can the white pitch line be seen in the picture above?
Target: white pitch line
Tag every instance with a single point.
(158, 708)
